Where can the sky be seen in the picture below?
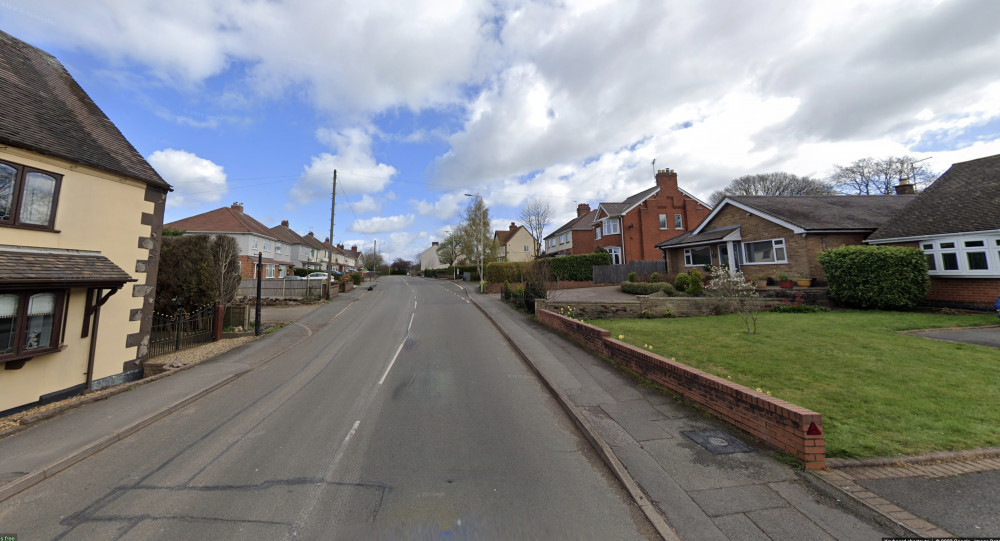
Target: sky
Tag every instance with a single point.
(417, 103)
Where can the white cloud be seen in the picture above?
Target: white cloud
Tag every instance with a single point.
(380, 224)
(446, 207)
(195, 180)
(357, 171)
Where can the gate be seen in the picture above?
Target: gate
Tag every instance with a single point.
(174, 333)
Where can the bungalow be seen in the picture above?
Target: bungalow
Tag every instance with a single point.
(630, 230)
(769, 235)
(252, 237)
(514, 244)
(81, 213)
(956, 222)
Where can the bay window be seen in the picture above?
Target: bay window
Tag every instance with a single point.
(972, 256)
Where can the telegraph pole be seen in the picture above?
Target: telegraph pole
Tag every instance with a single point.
(329, 254)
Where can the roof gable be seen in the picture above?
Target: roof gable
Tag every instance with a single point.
(965, 198)
(222, 220)
(46, 111)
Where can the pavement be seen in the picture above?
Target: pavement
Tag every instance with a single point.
(693, 476)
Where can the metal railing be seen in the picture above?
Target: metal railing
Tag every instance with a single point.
(182, 330)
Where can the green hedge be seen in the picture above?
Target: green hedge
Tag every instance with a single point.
(577, 268)
(507, 272)
(648, 288)
(876, 277)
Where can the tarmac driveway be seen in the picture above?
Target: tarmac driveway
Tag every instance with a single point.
(983, 336)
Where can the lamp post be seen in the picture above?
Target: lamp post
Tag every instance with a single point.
(482, 245)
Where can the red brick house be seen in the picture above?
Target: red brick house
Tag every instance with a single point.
(956, 222)
(768, 235)
(574, 237)
(631, 229)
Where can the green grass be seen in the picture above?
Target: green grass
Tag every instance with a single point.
(881, 393)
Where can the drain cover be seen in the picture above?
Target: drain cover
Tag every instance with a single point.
(718, 442)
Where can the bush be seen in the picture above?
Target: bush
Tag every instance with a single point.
(577, 267)
(632, 277)
(356, 278)
(798, 308)
(506, 272)
(301, 271)
(683, 282)
(655, 277)
(668, 289)
(646, 288)
(696, 287)
(505, 291)
(876, 277)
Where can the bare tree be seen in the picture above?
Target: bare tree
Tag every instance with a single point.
(536, 215)
(778, 183)
(372, 260)
(870, 176)
(736, 295)
(226, 260)
(477, 239)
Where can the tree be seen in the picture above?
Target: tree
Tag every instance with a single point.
(738, 295)
(477, 241)
(450, 248)
(536, 216)
(778, 183)
(186, 278)
(226, 268)
(372, 260)
(870, 176)
(400, 266)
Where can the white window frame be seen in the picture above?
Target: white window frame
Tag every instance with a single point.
(277, 247)
(267, 245)
(663, 222)
(268, 271)
(562, 239)
(616, 254)
(678, 221)
(597, 232)
(611, 227)
(776, 245)
(936, 248)
(689, 256)
(253, 243)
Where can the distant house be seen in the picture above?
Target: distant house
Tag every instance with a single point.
(768, 235)
(956, 222)
(630, 230)
(81, 213)
(429, 259)
(514, 244)
(315, 257)
(574, 237)
(252, 237)
(289, 244)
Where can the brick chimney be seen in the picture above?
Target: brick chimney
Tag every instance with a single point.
(341, 246)
(582, 208)
(284, 223)
(666, 179)
(904, 187)
(354, 248)
(238, 207)
(513, 227)
(434, 243)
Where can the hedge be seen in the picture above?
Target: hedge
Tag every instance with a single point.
(577, 268)
(507, 272)
(648, 288)
(876, 277)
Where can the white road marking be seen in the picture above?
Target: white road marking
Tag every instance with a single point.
(400, 348)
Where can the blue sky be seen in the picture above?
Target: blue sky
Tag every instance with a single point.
(418, 103)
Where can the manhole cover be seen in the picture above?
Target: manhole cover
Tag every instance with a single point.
(718, 442)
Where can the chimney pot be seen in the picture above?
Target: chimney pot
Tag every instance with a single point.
(238, 207)
(666, 179)
(513, 227)
(582, 208)
(284, 223)
(904, 187)
(434, 243)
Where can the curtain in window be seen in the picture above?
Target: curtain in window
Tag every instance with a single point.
(8, 323)
(41, 314)
(8, 180)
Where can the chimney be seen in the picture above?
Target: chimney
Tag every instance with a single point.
(326, 240)
(284, 223)
(666, 179)
(434, 243)
(582, 208)
(904, 187)
(513, 227)
(354, 248)
(238, 207)
(341, 246)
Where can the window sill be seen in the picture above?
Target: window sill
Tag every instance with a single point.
(17, 361)
(31, 227)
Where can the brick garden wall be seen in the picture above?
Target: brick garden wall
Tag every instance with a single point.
(776, 422)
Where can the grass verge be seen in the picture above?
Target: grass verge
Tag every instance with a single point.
(881, 393)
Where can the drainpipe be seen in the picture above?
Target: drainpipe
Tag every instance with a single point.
(621, 231)
(95, 309)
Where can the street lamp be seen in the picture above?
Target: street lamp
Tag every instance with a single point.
(482, 246)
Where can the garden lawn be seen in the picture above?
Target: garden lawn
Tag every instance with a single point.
(881, 393)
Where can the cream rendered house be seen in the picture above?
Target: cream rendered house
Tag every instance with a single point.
(515, 244)
(80, 218)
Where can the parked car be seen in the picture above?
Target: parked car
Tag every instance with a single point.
(291, 277)
(316, 276)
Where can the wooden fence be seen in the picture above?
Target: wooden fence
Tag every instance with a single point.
(616, 274)
(279, 288)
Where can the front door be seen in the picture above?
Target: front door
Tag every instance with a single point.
(724, 256)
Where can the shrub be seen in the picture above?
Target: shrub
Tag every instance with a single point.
(798, 308)
(876, 277)
(655, 277)
(506, 272)
(577, 267)
(696, 287)
(356, 278)
(505, 291)
(668, 289)
(682, 282)
(301, 271)
(669, 313)
(737, 295)
(643, 288)
(632, 277)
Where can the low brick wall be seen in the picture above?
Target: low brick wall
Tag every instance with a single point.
(655, 306)
(780, 424)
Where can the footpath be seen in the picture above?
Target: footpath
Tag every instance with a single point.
(708, 482)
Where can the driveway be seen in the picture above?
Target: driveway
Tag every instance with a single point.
(983, 336)
(591, 294)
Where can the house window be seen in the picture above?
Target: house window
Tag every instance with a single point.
(28, 196)
(969, 256)
(281, 272)
(663, 221)
(678, 221)
(696, 257)
(597, 231)
(277, 247)
(616, 254)
(253, 243)
(269, 269)
(29, 323)
(611, 227)
(525, 247)
(562, 239)
(765, 251)
(267, 246)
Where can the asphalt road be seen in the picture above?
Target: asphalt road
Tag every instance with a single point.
(407, 416)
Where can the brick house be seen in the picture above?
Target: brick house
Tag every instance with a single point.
(956, 222)
(767, 235)
(574, 237)
(81, 213)
(290, 244)
(251, 236)
(514, 244)
(630, 230)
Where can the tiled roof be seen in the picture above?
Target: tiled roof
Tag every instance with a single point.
(222, 220)
(617, 209)
(828, 212)
(709, 235)
(71, 269)
(286, 234)
(585, 222)
(504, 235)
(965, 198)
(46, 111)
(312, 242)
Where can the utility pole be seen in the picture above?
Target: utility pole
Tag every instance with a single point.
(329, 254)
